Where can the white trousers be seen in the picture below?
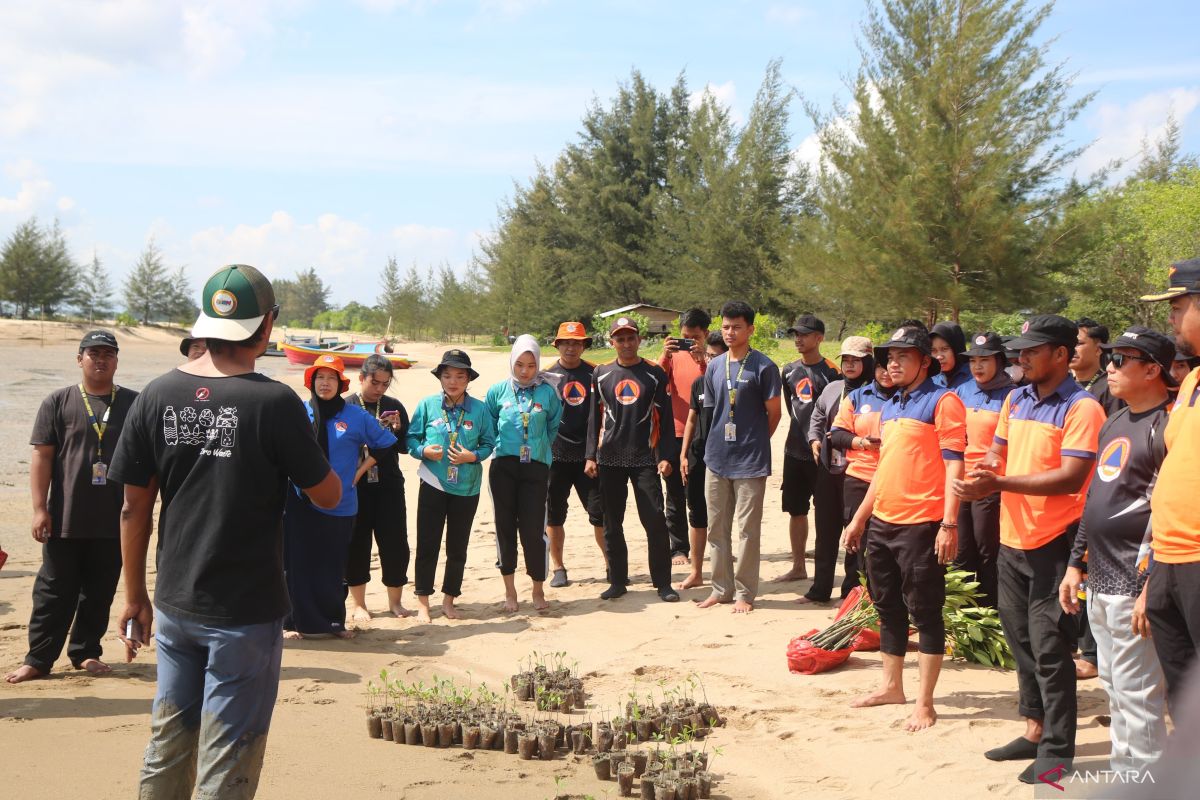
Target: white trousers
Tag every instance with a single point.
(1133, 678)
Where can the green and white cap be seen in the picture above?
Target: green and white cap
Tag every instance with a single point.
(234, 302)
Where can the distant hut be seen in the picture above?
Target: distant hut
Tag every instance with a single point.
(660, 319)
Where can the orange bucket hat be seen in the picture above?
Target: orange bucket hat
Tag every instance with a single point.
(328, 362)
(571, 330)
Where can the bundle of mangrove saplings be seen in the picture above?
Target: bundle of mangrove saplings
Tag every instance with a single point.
(549, 682)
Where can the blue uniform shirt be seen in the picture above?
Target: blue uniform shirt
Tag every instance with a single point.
(433, 423)
(348, 430)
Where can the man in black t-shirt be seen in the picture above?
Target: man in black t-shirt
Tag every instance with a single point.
(629, 441)
(1112, 535)
(574, 384)
(803, 381)
(76, 513)
(691, 463)
(220, 442)
(381, 507)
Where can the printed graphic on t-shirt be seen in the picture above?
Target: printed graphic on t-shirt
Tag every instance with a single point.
(1112, 460)
(804, 390)
(627, 392)
(189, 428)
(574, 393)
(341, 427)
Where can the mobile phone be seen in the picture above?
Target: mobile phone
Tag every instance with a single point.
(133, 631)
(389, 414)
(685, 345)
(874, 440)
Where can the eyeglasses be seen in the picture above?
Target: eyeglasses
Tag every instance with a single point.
(1119, 359)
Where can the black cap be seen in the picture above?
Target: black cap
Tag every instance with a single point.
(185, 344)
(98, 339)
(806, 323)
(1182, 278)
(1046, 329)
(952, 333)
(1157, 346)
(457, 359)
(986, 344)
(916, 338)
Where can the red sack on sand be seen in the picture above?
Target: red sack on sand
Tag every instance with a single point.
(806, 658)
(3, 557)
(867, 640)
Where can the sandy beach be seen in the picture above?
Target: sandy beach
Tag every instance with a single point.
(787, 735)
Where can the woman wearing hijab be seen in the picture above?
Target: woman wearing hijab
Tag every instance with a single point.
(856, 431)
(526, 411)
(948, 344)
(317, 541)
(979, 520)
(451, 433)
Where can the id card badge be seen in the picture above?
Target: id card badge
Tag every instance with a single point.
(373, 474)
(452, 473)
(525, 454)
(730, 432)
(99, 473)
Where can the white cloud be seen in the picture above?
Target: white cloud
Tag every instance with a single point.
(34, 193)
(724, 93)
(787, 14)
(1120, 130)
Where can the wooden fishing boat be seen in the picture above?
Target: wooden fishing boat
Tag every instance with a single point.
(352, 354)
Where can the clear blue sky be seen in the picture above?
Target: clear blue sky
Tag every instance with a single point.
(289, 133)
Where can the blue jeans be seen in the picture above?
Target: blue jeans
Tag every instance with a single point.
(212, 710)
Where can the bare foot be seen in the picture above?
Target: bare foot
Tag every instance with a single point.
(680, 560)
(360, 614)
(400, 611)
(793, 574)
(692, 581)
(803, 600)
(711, 601)
(343, 634)
(24, 673)
(293, 635)
(1085, 670)
(743, 607)
(511, 603)
(883, 697)
(95, 666)
(450, 611)
(423, 615)
(922, 717)
(540, 603)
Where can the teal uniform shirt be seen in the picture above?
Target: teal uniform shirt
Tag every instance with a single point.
(507, 403)
(434, 423)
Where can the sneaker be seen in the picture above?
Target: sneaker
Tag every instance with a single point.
(613, 592)
(559, 579)
(668, 595)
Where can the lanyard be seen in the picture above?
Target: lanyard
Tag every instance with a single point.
(524, 411)
(378, 405)
(1092, 382)
(729, 385)
(462, 412)
(101, 426)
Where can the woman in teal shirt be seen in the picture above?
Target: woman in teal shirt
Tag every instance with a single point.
(526, 410)
(451, 433)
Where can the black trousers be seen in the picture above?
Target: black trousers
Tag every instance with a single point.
(439, 511)
(72, 594)
(979, 543)
(647, 495)
(906, 579)
(519, 500)
(697, 502)
(1041, 637)
(1173, 606)
(676, 510)
(315, 546)
(827, 502)
(565, 476)
(854, 491)
(382, 513)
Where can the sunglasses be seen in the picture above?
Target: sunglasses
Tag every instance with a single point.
(1120, 359)
(275, 312)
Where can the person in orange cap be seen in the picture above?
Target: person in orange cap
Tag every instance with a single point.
(316, 541)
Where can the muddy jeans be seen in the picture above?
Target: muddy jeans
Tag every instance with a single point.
(212, 710)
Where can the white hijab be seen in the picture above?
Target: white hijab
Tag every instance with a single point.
(526, 343)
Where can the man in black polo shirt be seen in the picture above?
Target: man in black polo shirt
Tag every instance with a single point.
(630, 441)
(803, 381)
(76, 513)
(1111, 533)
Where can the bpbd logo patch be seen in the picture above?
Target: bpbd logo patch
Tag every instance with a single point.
(574, 393)
(804, 390)
(627, 392)
(1112, 459)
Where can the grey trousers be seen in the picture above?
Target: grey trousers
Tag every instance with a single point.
(1133, 679)
(734, 503)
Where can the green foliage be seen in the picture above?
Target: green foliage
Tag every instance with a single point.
(93, 291)
(36, 271)
(1001, 323)
(601, 324)
(152, 294)
(766, 331)
(126, 320)
(301, 299)
(350, 317)
(940, 183)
